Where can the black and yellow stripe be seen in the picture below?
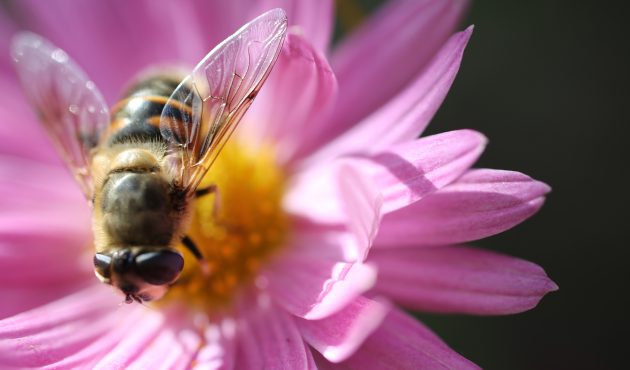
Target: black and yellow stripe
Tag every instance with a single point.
(137, 116)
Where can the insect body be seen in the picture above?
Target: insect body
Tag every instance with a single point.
(140, 169)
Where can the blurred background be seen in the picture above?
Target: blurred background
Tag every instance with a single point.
(547, 82)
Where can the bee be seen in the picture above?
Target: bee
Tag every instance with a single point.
(140, 166)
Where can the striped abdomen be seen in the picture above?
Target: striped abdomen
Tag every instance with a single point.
(136, 118)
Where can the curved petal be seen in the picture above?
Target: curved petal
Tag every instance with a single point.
(339, 336)
(460, 279)
(114, 40)
(295, 98)
(362, 203)
(479, 204)
(386, 52)
(91, 320)
(269, 339)
(337, 194)
(406, 115)
(401, 343)
(314, 279)
(408, 172)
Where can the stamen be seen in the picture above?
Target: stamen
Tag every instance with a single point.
(240, 236)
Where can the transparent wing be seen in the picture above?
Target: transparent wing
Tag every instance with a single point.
(72, 110)
(206, 107)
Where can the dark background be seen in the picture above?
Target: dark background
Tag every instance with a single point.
(547, 82)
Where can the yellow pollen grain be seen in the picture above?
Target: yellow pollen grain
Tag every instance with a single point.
(236, 239)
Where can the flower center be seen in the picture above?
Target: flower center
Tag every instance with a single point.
(236, 230)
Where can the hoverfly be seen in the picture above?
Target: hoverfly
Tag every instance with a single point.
(140, 166)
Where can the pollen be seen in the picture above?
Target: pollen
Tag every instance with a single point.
(237, 229)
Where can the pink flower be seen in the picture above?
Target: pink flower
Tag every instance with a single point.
(370, 217)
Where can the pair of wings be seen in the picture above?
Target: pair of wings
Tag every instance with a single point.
(220, 89)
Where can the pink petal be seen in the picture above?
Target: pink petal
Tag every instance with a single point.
(362, 203)
(269, 339)
(45, 225)
(479, 204)
(295, 98)
(172, 348)
(54, 333)
(218, 351)
(313, 278)
(115, 40)
(408, 172)
(216, 20)
(314, 194)
(339, 336)
(30, 141)
(312, 19)
(386, 52)
(45, 235)
(401, 343)
(460, 279)
(100, 353)
(41, 181)
(337, 194)
(405, 116)
(19, 298)
(7, 28)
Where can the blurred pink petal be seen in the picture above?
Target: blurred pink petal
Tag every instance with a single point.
(479, 204)
(337, 337)
(144, 35)
(122, 352)
(376, 62)
(171, 349)
(20, 132)
(401, 343)
(20, 298)
(311, 19)
(313, 278)
(7, 27)
(218, 353)
(406, 115)
(460, 280)
(50, 333)
(42, 242)
(269, 339)
(294, 100)
(408, 172)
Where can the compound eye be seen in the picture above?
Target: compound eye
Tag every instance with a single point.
(159, 267)
(102, 263)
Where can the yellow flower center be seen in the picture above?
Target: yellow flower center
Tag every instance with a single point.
(247, 227)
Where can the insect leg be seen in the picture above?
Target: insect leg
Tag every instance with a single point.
(192, 247)
(209, 190)
(212, 189)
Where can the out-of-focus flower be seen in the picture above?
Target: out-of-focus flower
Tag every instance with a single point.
(325, 181)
